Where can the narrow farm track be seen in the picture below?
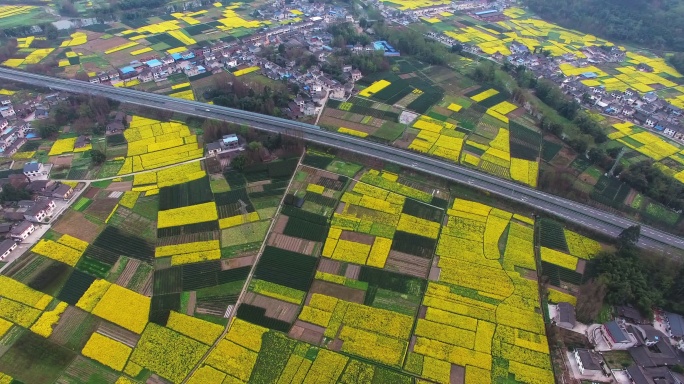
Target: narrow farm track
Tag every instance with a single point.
(249, 277)
(134, 173)
(580, 214)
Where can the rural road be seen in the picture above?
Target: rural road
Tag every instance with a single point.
(571, 211)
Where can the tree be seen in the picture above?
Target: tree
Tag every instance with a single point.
(68, 9)
(586, 98)
(81, 75)
(648, 23)
(363, 23)
(239, 162)
(83, 125)
(51, 32)
(590, 300)
(11, 193)
(677, 61)
(97, 157)
(47, 128)
(629, 236)
(254, 146)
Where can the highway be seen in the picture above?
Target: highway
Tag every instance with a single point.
(581, 214)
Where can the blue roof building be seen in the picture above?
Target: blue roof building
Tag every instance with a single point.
(126, 70)
(382, 45)
(154, 63)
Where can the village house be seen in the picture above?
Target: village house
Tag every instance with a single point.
(40, 210)
(647, 334)
(22, 230)
(616, 336)
(63, 192)
(226, 143)
(565, 315)
(309, 109)
(588, 362)
(675, 325)
(214, 148)
(34, 169)
(671, 130)
(146, 75)
(114, 76)
(356, 75)
(6, 247)
(81, 141)
(337, 92)
(41, 113)
(5, 229)
(659, 375)
(630, 314)
(658, 354)
(230, 141)
(7, 111)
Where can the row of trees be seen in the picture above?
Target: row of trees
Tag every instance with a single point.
(85, 114)
(236, 94)
(346, 34)
(412, 42)
(652, 182)
(49, 31)
(677, 61)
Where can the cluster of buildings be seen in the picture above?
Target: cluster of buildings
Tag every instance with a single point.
(655, 347)
(21, 219)
(15, 126)
(307, 20)
(645, 109)
(227, 144)
(314, 84)
(13, 131)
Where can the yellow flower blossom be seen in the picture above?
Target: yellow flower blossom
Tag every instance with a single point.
(107, 351)
(45, 322)
(198, 329)
(199, 213)
(137, 308)
(246, 334)
(92, 296)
